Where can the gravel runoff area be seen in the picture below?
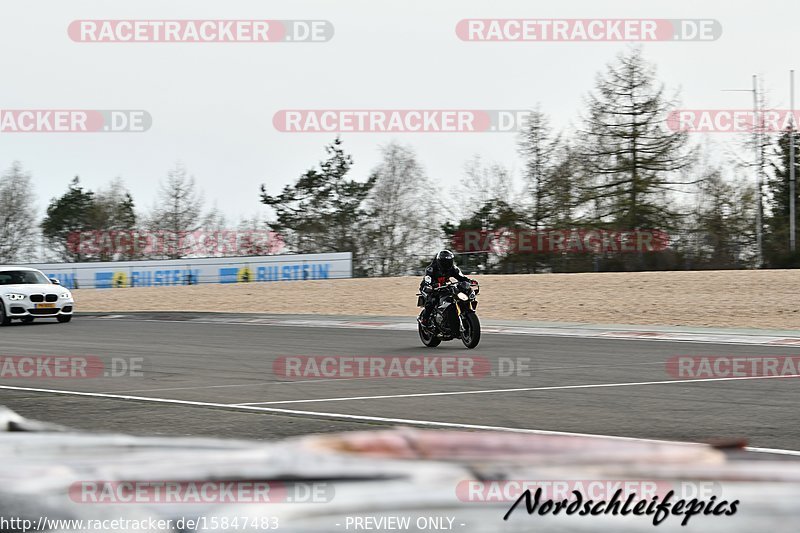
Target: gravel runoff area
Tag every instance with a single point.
(745, 299)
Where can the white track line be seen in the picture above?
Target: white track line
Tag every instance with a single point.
(319, 414)
(525, 389)
(772, 450)
(424, 423)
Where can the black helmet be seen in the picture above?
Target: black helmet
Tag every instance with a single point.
(445, 259)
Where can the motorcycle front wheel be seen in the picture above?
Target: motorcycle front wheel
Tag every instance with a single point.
(471, 335)
(428, 338)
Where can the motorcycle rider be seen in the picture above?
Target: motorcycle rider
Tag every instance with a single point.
(441, 269)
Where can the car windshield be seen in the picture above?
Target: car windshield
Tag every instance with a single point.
(22, 277)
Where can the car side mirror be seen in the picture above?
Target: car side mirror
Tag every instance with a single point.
(54, 281)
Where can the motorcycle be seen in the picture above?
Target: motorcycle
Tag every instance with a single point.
(453, 317)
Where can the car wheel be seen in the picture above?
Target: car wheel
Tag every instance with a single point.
(4, 318)
(64, 318)
(27, 320)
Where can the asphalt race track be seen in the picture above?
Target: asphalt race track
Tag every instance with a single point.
(197, 376)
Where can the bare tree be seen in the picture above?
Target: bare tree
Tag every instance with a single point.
(403, 221)
(255, 237)
(215, 238)
(114, 207)
(178, 212)
(113, 211)
(721, 226)
(484, 183)
(17, 223)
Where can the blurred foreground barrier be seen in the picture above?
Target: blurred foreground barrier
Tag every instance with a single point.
(403, 479)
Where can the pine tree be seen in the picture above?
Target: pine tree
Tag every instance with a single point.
(626, 146)
(540, 147)
(322, 211)
(67, 216)
(776, 226)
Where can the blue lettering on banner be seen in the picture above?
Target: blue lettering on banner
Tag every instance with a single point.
(228, 275)
(267, 273)
(164, 278)
(164, 273)
(103, 280)
(173, 277)
(295, 271)
(305, 271)
(287, 272)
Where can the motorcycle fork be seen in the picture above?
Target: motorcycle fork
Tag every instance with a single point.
(460, 322)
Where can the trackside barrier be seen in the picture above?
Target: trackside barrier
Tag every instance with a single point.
(168, 273)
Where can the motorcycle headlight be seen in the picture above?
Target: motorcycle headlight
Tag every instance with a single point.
(16, 296)
(462, 296)
(66, 295)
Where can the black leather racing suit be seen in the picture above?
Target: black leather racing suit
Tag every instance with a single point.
(435, 277)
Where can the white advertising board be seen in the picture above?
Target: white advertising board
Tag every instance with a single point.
(174, 272)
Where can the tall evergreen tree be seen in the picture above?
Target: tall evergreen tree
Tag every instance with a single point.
(494, 217)
(776, 236)
(626, 146)
(69, 214)
(322, 211)
(539, 148)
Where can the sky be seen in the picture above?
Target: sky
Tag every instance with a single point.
(212, 104)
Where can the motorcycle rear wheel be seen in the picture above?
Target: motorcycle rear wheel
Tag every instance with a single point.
(472, 331)
(428, 338)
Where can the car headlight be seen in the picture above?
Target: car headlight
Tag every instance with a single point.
(15, 296)
(66, 295)
(462, 296)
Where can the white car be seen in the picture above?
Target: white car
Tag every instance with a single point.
(27, 294)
